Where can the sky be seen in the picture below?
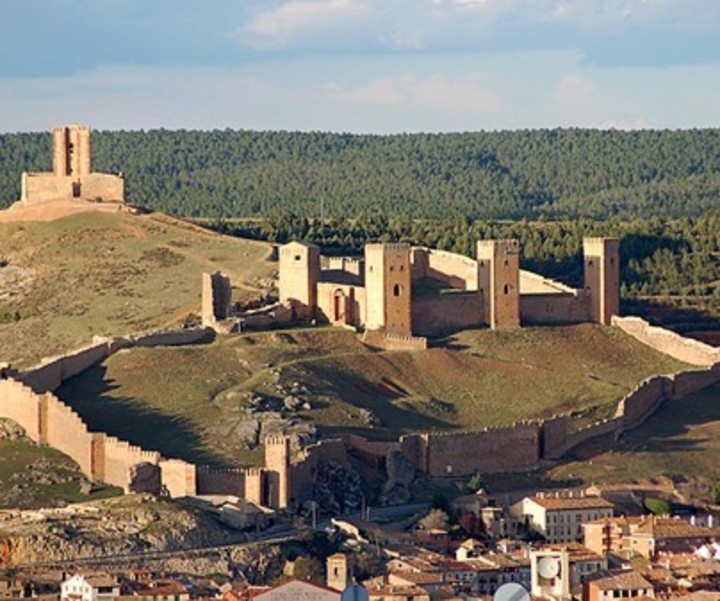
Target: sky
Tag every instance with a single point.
(376, 66)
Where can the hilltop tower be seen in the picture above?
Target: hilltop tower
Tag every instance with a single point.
(388, 288)
(71, 151)
(602, 277)
(499, 282)
(72, 178)
(277, 471)
(216, 298)
(299, 275)
(338, 570)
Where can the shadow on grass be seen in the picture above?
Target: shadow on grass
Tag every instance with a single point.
(130, 420)
(381, 398)
(663, 433)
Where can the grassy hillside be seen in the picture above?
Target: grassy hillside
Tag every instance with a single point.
(64, 281)
(38, 476)
(192, 402)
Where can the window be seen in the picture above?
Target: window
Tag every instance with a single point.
(397, 289)
(298, 258)
(506, 288)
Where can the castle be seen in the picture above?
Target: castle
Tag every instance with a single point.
(72, 178)
(398, 293)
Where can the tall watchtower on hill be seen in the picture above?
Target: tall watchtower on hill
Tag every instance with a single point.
(602, 277)
(388, 285)
(499, 282)
(71, 151)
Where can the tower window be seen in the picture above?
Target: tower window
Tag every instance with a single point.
(298, 257)
(506, 289)
(397, 289)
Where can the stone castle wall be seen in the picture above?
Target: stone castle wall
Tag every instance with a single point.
(457, 271)
(491, 450)
(541, 309)
(220, 481)
(66, 431)
(642, 402)
(677, 346)
(50, 373)
(446, 312)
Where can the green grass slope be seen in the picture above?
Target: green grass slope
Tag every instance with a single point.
(191, 402)
(38, 476)
(62, 282)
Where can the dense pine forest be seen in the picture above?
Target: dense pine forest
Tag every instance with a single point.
(487, 175)
(657, 190)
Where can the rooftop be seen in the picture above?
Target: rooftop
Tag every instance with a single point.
(608, 580)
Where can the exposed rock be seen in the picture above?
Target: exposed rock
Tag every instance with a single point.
(401, 474)
(10, 430)
(337, 488)
(145, 477)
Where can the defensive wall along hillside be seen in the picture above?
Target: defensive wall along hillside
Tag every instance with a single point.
(25, 397)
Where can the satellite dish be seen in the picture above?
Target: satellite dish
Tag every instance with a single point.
(512, 591)
(548, 567)
(355, 592)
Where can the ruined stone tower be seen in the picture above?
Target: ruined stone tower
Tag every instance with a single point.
(71, 151)
(602, 277)
(216, 298)
(277, 471)
(388, 286)
(338, 570)
(499, 282)
(299, 275)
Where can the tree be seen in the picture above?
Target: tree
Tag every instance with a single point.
(436, 519)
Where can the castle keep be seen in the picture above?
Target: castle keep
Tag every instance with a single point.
(402, 292)
(72, 178)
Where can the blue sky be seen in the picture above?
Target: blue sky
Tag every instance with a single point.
(359, 65)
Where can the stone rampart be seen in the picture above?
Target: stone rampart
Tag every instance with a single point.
(117, 458)
(608, 426)
(304, 467)
(642, 402)
(66, 432)
(50, 373)
(178, 477)
(553, 435)
(19, 403)
(457, 271)
(394, 342)
(220, 481)
(562, 307)
(492, 450)
(368, 447)
(534, 283)
(685, 383)
(662, 340)
(438, 314)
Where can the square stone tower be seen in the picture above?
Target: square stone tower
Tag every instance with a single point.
(216, 298)
(71, 151)
(602, 277)
(388, 288)
(299, 275)
(339, 572)
(499, 282)
(277, 470)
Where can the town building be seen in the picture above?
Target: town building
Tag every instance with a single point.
(611, 585)
(560, 517)
(647, 536)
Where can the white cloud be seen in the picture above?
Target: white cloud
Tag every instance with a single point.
(277, 26)
(438, 92)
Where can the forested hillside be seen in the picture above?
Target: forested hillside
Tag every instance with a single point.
(485, 175)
